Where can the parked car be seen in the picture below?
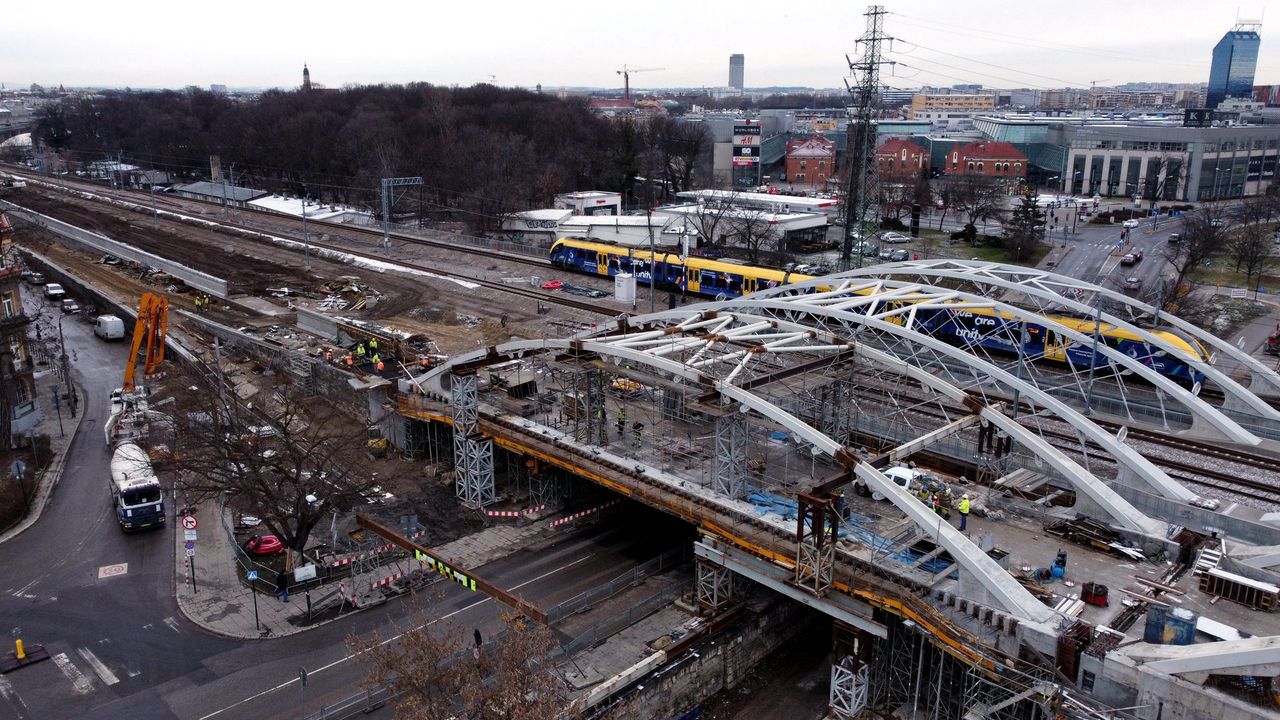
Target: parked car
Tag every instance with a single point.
(894, 237)
(36, 278)
(1217, 223)
(54, 291)
(1131, 223)
(1132, 258)
(871, 251)
(1174, 238)
(900, 255)
(70, 306)
(886, 253)
(108, 327)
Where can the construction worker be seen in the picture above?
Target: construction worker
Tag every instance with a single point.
(375, 359)
(937, 503)
(360, 351)
(350, 360)
(379, 364)
(963, 507)
(328, 355)
(373, 345)
(622, 421)
(637, 430)
(197, 303)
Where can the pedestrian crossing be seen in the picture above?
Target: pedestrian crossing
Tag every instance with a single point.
(86, 669)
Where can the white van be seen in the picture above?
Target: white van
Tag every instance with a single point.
(108, 327)
(54, 291)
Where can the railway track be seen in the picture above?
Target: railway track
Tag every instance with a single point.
(524, 292)
(1236, 483)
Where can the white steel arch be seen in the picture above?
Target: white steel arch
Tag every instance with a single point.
(1125, 455)
(693, 332)
(878, 291)
(1053, 287)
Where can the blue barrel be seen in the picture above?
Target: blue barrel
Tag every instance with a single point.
(1154, 632)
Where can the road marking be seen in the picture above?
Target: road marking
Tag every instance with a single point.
(392, 639)
(20, 592)
(8, 693)
(172, 623)
(107, 571)
(83, 685)
(108, 677)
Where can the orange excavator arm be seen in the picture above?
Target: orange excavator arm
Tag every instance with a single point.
(151, 328)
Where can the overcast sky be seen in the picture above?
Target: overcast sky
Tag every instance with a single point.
(939, 42)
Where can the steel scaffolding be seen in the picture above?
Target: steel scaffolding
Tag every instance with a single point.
(730, 470)
(472, 452)
(714, 586)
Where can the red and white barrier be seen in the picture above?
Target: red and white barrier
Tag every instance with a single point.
(348, 559)
(583, 513)
(385, 581)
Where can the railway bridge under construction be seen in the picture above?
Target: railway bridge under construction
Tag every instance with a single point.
(808, 430)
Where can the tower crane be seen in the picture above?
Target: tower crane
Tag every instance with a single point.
(626, 72)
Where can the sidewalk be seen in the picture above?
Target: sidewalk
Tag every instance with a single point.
(59, 443)
(222, 603)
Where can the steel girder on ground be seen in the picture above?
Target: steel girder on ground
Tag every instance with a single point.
(1047, 290)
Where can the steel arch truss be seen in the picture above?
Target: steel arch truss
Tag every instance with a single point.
(847, 312)
(1050, 292)
(740, 355)
(1007, 328)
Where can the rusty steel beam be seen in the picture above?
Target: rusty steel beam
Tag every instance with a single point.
(447, 568)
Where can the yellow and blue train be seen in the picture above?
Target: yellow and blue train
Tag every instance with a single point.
(984, 327)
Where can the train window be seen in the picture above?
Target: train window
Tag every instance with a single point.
(735, 284)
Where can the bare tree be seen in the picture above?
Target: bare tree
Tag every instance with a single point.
(1025, 227)
(895, 199)
(750, 230)
(711, 220)
(977, 197)
(1162, 174)
(435, 671)
(1252, 250)
(1203, 236)
(288, 460)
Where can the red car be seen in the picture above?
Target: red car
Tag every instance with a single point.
(552, 285)
(264, 545)
(1132, 258)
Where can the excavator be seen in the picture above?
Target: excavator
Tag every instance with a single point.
(130, 414)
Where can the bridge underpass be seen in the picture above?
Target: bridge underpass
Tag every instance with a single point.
(747, 414)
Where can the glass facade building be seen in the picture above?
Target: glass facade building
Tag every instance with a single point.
(1235, 58)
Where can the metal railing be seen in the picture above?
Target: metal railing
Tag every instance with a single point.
(584, 600)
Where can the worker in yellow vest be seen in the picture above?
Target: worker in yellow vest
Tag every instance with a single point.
(373, 344)
(963, 507)
(360, 351)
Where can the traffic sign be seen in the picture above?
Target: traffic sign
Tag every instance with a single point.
(188, 535)
(251, 575)
(189, 544)
(191, 552)
(189, 522)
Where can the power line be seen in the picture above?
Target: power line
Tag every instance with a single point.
(1007, 39)
(1070, 83)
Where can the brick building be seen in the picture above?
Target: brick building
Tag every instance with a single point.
(810, 160)
(994, 159)
(18, 412)
(923, 103)
(901, 160)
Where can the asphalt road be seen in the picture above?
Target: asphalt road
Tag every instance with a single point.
(122, 649)
(109, 637)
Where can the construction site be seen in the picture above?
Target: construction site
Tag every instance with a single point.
(947, 530)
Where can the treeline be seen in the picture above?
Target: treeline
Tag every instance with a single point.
(482, 151)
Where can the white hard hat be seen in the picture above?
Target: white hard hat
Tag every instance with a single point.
(965, 496)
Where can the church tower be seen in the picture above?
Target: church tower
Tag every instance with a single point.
(306, 78)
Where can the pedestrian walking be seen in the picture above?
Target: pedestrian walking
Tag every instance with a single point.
(964, 511)
(282, 586)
